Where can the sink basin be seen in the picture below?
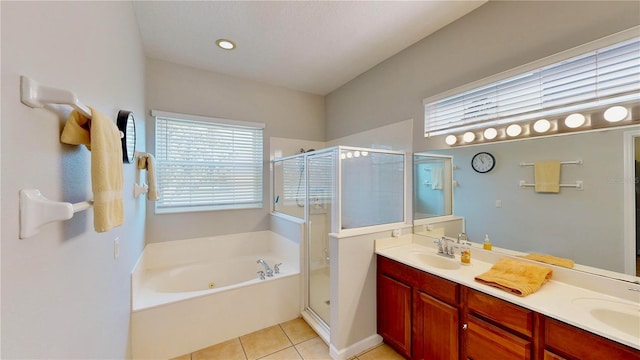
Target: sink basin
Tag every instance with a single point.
(436, 261)
(618, 315)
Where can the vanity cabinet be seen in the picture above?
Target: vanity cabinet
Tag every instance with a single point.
(495, 329)
(418, 312)
(563, 341)
(423, 316)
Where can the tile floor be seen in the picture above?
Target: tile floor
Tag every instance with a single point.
(292, 340)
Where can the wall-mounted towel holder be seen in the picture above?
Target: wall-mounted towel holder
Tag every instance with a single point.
(138, 187)
(578, 184)
(36, 211)
(35, 95)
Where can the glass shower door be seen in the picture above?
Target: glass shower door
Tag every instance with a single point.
(320, 196)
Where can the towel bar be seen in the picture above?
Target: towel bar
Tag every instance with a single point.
(575, 162)
(36, 211)
(35, 95)
(577, 185)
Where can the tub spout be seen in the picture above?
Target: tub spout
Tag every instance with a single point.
(267, 269)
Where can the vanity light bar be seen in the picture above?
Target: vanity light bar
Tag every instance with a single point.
(613, 116)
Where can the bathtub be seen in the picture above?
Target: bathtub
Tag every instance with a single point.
(190, 294)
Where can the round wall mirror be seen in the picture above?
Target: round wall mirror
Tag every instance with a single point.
(127, 126)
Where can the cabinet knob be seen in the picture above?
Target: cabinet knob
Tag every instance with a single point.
(464, 326)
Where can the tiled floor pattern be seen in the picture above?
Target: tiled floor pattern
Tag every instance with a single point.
(292, 340)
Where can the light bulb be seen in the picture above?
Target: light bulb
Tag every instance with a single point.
(575, 120)
(490, 133)
(349, 155)
(364, 153)
(541, 126)
(616, 113)
(468, 136)
(450, 140)
(514, 130)
(356, 153)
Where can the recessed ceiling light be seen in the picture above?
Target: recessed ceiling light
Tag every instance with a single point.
(225, 44)
(615, 113)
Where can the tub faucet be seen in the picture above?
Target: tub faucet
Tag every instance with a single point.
(267, 269)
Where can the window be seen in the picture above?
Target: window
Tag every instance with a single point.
(207, 163)
(605, 76)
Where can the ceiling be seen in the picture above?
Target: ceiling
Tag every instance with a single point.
(310, 46)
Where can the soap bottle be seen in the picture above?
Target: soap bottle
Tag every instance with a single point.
(487, 243)
(465, 254)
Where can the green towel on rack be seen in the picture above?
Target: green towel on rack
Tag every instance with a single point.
(102, 138)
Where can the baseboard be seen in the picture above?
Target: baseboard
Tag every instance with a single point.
(355, 349)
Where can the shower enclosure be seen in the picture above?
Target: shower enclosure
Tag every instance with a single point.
(334, 190)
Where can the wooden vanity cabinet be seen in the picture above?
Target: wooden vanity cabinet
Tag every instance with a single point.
(495, 329)
(563, 341)
(418, 312)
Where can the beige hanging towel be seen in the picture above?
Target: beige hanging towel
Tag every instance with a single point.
(146, 161)
(547, 176)
(102, 138)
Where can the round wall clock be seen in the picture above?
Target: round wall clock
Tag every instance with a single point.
(483, 162)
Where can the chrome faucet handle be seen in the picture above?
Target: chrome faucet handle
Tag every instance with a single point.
(276, 268)
(439, 242)
(261, 274)
(463, 237)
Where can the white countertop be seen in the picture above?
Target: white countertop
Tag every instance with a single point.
(565, 297)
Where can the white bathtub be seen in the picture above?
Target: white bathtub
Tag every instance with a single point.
(174, 310)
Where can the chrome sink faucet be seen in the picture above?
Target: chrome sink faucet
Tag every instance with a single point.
(267, 269)
(445, 247)
(463, 237)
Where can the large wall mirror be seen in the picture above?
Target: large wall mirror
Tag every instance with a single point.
(596, 226)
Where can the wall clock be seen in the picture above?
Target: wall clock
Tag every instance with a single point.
(483, 162)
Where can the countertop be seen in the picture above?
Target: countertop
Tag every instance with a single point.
(569, 296)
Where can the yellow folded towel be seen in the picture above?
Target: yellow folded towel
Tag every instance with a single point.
(517, 277)
(102, 138)
(146, 161)
(550, 259)
(547, 176)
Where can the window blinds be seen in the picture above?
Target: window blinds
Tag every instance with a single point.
(605, 76)
(204, 165)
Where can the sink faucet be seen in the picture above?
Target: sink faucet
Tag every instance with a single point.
(445, 247)
(267, 269)
(463, 237)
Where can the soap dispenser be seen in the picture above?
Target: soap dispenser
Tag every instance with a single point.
(487, 243)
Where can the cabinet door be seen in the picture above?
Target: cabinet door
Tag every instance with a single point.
(486, 341)
(437, 332)
(394, 314)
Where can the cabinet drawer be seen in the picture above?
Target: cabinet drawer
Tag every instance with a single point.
(574, 343)
(504, 313)
(440, 288)
(486, 341)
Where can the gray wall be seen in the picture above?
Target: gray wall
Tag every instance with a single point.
(286, 113)
(63, 293)
(496, 37)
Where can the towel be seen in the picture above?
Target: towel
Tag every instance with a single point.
(436, 178)
(517, 277)
(102, 138)
(550, 259)
(547, 176)
(146, 161)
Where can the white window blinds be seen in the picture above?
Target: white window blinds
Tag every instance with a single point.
(601, 77)
(207, 165)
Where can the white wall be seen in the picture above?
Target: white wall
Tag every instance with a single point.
(63, 293)
(286, 113)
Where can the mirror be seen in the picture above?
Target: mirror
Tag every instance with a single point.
(585, 225)
(432, 182)
(127, 126)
